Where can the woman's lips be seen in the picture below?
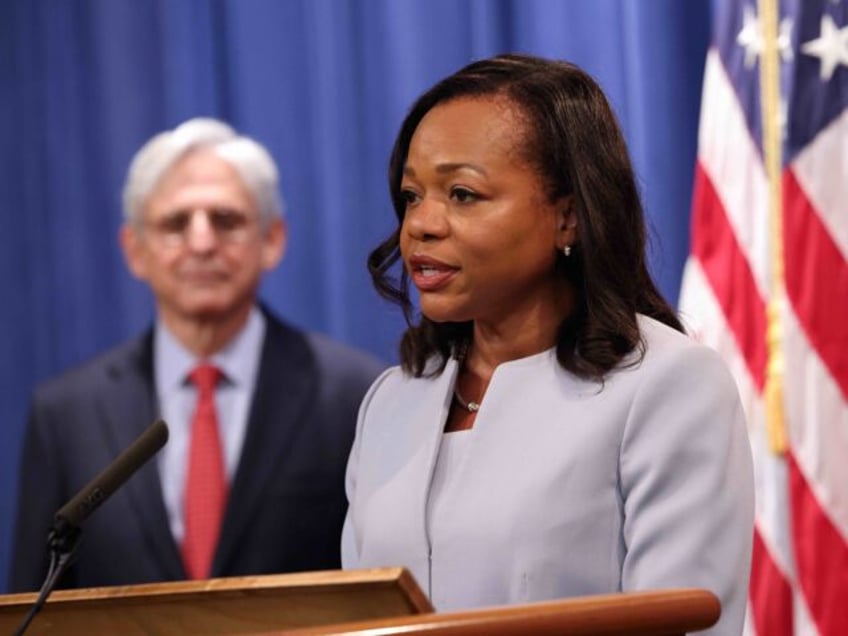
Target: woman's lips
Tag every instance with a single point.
(430, 274)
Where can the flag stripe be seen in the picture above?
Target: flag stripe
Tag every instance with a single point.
(705, 320)
(725, 266)
(732, 160)
(821, 170)
(817, 423)
(822, 557)
(771, 595)
(816, 280)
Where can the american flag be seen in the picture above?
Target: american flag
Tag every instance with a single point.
(767, 285)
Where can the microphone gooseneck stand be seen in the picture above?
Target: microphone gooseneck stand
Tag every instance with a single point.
(63, 543)
(64, 538)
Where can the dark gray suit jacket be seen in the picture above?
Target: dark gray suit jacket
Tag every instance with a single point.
(286, 504)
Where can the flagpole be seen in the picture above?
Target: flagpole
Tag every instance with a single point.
(772, 145)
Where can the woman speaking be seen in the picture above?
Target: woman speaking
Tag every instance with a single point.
(550, 431)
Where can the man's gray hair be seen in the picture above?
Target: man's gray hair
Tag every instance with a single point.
(250, 160)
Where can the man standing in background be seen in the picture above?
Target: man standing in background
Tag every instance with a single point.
(261, 415)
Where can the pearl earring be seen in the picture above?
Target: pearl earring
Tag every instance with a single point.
(567, 250)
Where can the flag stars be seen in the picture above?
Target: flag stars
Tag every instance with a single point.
(831, 47)
(784, 40)
(783, 117)
(750, 37)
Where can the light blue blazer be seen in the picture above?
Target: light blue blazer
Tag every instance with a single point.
(566, 487)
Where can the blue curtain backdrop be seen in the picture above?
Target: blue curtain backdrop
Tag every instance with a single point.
(325, 84)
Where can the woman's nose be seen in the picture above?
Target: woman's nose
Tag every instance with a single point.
(426, 220)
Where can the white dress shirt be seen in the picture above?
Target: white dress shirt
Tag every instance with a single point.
(177, 398)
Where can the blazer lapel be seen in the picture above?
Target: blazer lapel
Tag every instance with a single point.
(129, 409)
(392, 493)
(428, 427)
(285, 386)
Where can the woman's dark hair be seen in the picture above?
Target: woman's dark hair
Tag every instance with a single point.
(575, 143)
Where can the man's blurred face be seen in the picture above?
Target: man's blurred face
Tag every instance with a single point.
(199, 244)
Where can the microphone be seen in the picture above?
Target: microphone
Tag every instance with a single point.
(113, 476)
(63, 540)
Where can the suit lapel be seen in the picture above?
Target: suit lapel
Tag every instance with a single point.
(129, 408)
(285, 386)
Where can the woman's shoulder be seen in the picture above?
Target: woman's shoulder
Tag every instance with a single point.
(668, 350)
(661, 340)
(388, 379)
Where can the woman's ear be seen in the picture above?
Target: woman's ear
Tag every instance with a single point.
(567, 231)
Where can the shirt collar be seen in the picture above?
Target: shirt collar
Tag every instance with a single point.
(238, 360)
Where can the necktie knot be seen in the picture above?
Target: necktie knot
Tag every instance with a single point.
(205, 377)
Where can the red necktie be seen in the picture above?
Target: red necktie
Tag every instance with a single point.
(206, 484)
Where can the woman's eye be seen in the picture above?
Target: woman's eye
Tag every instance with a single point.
(463, 195)
(409, 197)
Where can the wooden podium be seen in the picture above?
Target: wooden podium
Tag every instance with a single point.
(380, 601)
(660, 613)
(240, 605)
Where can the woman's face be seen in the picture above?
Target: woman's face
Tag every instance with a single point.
(479, 237)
